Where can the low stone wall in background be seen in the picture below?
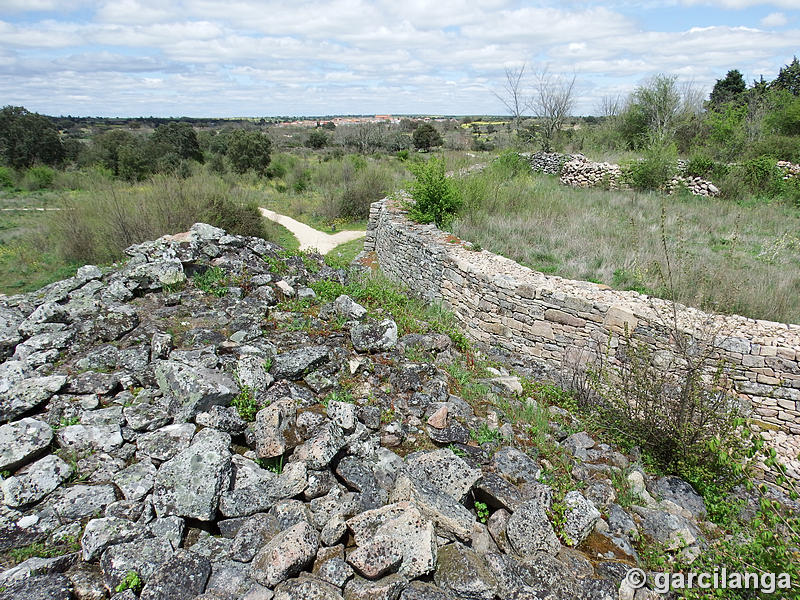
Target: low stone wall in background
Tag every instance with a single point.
(578, 171)
(551, 321)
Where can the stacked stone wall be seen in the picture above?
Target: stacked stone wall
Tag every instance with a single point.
(552, 321)
(576, 170)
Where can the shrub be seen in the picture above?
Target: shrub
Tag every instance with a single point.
(511, 164)
(663, 403)
(7, 178)
(38, 178)
(699, 165)
(436, 198)
(655, 169)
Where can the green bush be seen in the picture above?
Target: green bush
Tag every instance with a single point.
(699, 165)
(656, 168)
(7, 178)
(511, 164)
(436, 198)
(38, 178)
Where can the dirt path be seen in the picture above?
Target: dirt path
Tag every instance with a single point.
(308, 236)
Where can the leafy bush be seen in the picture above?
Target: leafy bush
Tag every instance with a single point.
(655, 169)
(436, 198)
(38, 178)
(699, 165)
(7, 178)
(511, 164)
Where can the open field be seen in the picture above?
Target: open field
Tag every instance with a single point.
(724, 256)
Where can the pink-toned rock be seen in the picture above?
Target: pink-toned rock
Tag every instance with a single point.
(439, 418)
(285, 555)
(376, 558)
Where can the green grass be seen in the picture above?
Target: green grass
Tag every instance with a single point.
(341, 256)
(281, 236)
(724, 256)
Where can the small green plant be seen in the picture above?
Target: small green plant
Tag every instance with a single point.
(272, 464)
(132, 581)
(436, 198)
(342, 395)
(457, 451)
(485, 434)
(387, 415)
(558, 516)
(43, 550)
(65, 422)
(173, 288)
(275, 265)
(482, 511)
(245, 403)
(212, 281)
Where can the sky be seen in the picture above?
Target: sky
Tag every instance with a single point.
(204, 58)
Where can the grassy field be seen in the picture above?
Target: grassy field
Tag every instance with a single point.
(95, 225)
(723, 256)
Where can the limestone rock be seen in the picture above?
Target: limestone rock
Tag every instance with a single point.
(297, 363)
(445, 471)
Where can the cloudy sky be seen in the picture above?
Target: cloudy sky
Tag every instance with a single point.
(313, 57)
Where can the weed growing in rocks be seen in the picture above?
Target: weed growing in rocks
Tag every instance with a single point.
(245, 403)
(212, 281)
(132, 581)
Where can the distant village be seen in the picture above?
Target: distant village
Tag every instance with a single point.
(359, 120)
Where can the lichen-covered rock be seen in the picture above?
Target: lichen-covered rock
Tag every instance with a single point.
(35, 481)
(376, 558)
(285, 555)
(41, 587)
(452, 519)
(85, 438)
(386, 588)
(445, 471)
(23, 396)
(22, 441)
(190, 484)
(143, 556)
(347, 308)
(464, 573)
(297, 363)
(182, 577)
(580, 517)
(107, 531)
(306, 588)
(165, 443)
(274, 429)
(376, 337)
(529, 531)
(515, 466)
(136, 481)
(319, 450)
(681, 493)
(194, 389)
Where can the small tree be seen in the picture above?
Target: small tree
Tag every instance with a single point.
(552, 103)
(249, 150)
(426, 136)
(789, 78)
(729, 89)
(436, 198)
(177, 138)
(28, 138)
(317, 139)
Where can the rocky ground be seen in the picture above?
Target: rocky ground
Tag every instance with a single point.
(198, 423)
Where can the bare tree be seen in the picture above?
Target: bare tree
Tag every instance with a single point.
(610, 106)
(552, 103)
(512, 95)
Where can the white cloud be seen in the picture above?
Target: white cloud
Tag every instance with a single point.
(776, 19)
(204, 57)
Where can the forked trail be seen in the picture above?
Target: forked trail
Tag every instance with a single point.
(308, 236)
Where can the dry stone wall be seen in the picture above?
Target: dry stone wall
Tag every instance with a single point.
(552, 321)
(576, 170)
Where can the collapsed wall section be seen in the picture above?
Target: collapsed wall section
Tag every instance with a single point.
(554, 321)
